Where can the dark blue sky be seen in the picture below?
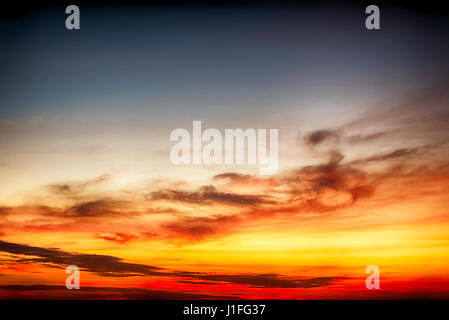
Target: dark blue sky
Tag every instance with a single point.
(212, 60)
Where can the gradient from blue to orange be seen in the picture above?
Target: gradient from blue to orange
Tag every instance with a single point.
(86, 177)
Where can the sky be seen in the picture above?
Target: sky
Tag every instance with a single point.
(86, 177)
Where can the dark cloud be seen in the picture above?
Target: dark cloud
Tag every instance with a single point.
(98, 208)
(77, 187)
(118, 237)
(246, 179)
(198, 227)
(311, 189)
(207, 283)
(4, 211)
(319, 136)
(46, 292)
(100, 264)
(86, 209)
(81, 211)
(269, 280)
(208, 195)
(233, 176)
(332, 175)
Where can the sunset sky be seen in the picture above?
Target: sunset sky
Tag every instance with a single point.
(86, 177)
